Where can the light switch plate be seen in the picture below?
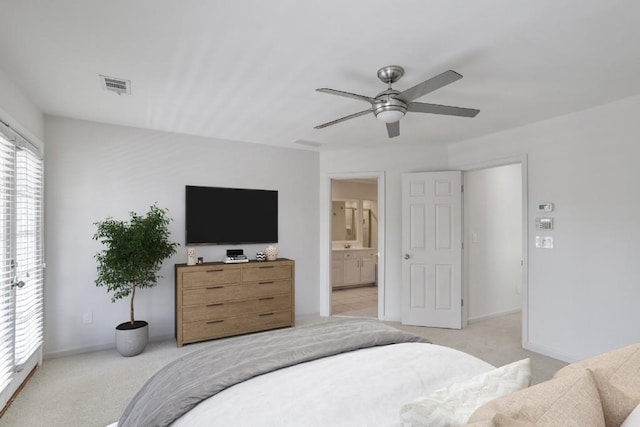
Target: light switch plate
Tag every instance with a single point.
(544, 242)
(545, 207)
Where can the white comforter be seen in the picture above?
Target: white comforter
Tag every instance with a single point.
(361, 388)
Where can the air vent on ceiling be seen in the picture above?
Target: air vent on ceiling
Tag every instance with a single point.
(116, 85)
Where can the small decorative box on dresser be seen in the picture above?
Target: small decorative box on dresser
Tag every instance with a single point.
(215, 300)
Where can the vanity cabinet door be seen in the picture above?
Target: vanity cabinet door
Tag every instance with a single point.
(351, 271)
(368, 270)
(337, 272)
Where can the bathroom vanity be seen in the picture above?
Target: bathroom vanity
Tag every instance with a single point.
(353, 267)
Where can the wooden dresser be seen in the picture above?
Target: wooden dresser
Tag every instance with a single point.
(215, 300)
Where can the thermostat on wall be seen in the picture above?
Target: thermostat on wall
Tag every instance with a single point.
(544, 223)
(545, 207)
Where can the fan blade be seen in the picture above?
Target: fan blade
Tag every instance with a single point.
(393, 129)
(348, 95)
(447, 110)
(429, 85)
(351, 116)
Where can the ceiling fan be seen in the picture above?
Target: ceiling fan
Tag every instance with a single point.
(391, 105)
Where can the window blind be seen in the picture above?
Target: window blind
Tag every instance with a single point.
(7, 309)
(21, 253)
(29, 255)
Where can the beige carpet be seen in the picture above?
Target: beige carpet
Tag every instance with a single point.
(92, 389)
(497, 341)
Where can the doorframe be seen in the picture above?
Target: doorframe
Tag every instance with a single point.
(505, 161)
(326, 242)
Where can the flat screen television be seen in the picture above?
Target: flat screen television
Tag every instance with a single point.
(218, 215)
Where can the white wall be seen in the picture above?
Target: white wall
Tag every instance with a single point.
(96, 170)
(584, 293)
(493, 241)
(393, 160)
(19, 112)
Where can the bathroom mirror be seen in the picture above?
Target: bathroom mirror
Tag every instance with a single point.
(369, 224)
(344, 222)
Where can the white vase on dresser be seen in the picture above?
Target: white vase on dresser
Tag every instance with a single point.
(271, 252)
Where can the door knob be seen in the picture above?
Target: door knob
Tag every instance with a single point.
(407, 256)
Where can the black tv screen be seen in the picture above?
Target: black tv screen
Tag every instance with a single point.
(217, 215)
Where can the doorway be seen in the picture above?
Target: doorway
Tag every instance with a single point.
(494, 236)
(494, 251)
(354, 261)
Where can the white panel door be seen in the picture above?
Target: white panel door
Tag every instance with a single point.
(432, 249)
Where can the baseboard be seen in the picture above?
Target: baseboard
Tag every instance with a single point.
(100, 347)
(493, 315)
(359, 285)
(550, 353)
(78, 350)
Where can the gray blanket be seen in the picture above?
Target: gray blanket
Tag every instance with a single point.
(187, 381)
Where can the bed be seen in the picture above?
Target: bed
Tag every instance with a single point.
(341, 372)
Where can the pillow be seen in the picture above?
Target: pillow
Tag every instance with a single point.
(617, 375)
(452, 406)
(622, 365)
(617, 403)
(571, 401)
(633, 420)
(501, 420)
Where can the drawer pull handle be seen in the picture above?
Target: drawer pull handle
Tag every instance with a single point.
(215, 305)
(215, 271)
(215, 287)
(269, 266)
(265, 283)
(266, 298)
(211, 322)
(266, 314)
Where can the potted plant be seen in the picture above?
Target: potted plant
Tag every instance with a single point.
(134, 253)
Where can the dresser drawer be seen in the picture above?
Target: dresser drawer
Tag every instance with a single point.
(266, 272)
(211, 276)
(235, 325)
(224, 293)
(214, 311)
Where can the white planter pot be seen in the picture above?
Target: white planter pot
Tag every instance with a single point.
(131, 341)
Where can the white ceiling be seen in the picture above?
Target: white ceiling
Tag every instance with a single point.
(247, 70)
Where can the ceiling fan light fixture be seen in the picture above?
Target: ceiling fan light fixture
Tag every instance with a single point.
(390, 116)
(388, 107)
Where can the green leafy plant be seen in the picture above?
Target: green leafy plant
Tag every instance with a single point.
(134, 253)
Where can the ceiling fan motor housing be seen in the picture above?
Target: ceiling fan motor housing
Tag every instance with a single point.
(390, 73)
(390, 108)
